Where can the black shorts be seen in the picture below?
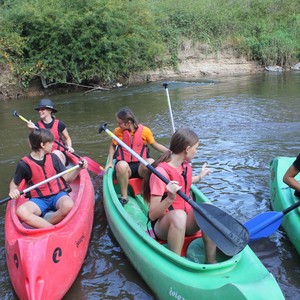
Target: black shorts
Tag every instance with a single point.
(134, 167)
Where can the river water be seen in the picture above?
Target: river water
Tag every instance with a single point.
(242, 121)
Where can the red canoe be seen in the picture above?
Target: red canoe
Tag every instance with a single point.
(43, 263)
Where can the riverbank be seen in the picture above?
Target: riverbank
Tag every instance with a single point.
(194, 63)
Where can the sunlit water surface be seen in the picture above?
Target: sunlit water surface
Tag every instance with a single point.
(242, 121)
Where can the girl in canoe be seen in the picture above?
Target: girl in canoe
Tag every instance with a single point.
(47, 120)
(137, 137)
(39, 165)
(291, 173)
(171, 216)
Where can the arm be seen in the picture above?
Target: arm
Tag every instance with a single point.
(70, 177)
(31, 126)
(158, 207)
(14, 193)
(22, 172)
(204, 171)
(67, 140)
(289, 178)
(149, 138)
(111, 152)
(159, 147)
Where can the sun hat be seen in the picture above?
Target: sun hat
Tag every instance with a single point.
(46, 103)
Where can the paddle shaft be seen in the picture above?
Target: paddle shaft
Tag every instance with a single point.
(57, 142)
(287, 210)
(232, 238)
(43, 182)
(93, 166)
(169, 105)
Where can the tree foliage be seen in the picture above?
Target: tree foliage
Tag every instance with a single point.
(105, 40)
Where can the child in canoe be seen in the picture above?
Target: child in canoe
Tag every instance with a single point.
(47, 120)
(39, 165)
(171, 216)
(137, 137)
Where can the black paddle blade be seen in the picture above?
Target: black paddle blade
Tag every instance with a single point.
(229, 235)
(102, 127)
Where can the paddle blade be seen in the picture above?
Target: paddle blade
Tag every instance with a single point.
(230, 236)
(94, 167)
(264, 224)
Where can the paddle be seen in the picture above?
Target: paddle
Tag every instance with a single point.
(169, 105)
(43, 182)
(227, 233)
(92, 165)
(266, 223)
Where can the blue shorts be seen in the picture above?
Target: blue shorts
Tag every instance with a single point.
(48, 203)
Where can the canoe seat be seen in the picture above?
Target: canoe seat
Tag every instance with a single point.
(135, 184)
(187, 240)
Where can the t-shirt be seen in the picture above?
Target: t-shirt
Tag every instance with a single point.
(296, 163)
(147, 135)
(157, 186)
(23, 171)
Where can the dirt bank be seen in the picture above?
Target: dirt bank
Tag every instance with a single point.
(194, 62)
(198, 62)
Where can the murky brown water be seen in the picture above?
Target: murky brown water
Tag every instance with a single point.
(243, 122)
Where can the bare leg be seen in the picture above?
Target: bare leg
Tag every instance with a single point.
(210, 250)
(61, 156)
(210, 247)
(123, 172)
(29, 213)
(171, 227)
(64, 205)
(142, 168)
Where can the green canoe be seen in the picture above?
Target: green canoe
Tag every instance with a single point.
(171, 276)
(283, 196)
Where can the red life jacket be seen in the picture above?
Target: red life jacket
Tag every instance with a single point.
(56, 133)
(136, 143)
(41, 173)
(184, 180)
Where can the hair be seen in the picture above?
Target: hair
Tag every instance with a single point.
(38, 136)
(180, 140)
(125, 114)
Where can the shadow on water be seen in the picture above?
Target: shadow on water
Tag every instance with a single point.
(243, 123)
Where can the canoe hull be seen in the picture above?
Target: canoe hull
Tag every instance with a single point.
(283, 196)
(43, 263)
(171, 276)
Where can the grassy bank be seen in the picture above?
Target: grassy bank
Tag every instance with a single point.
(104, 41)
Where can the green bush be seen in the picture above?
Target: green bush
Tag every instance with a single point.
(105, 40)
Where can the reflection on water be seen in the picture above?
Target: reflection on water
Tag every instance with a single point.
(242, 121)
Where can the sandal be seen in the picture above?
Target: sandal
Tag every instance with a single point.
(123, 200)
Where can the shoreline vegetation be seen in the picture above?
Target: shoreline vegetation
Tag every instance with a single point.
(70, 45)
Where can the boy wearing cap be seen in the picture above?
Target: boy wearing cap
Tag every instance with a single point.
(58, 128)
